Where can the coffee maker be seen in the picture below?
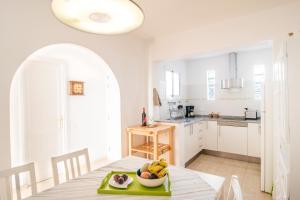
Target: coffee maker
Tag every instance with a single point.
(189, 111)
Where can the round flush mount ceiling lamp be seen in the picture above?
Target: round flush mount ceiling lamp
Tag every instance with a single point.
(99, 16)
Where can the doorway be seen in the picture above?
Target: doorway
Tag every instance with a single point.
(46, 120)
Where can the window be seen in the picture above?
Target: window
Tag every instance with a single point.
(259, 78)
(172, 84)
(211, 84)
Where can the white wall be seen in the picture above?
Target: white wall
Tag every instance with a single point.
(193, 83)
(228, 34)
(35, 27)
(87, 117)
(228, 102)
(159, 82)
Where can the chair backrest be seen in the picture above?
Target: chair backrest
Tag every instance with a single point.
(69, 158)
(235, 191)
(7, 174)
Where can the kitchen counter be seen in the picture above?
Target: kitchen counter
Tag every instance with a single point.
(187, 121)
(228, 134)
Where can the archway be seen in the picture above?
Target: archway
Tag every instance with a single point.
(39, 94)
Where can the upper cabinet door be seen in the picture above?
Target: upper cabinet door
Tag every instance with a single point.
(254, 140)
(233, 140)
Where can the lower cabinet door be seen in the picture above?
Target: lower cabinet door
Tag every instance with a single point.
(188, 148)
(232, 139)
(211, 136)
(196, 138)
(254, 140)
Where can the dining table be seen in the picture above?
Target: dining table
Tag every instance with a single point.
(185, 184)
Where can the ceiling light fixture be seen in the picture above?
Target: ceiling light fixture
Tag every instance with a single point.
(99, 16)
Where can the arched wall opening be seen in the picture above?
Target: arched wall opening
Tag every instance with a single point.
(46, 120)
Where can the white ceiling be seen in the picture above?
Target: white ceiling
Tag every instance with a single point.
(163, 17)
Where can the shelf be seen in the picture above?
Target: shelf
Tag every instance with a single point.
(148, 148)
(151, 136)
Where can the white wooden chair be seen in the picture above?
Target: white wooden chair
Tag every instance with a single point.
(69, 158)
(235, 191)
(7, 174)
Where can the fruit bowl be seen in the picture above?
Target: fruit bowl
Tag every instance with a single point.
(150, 182)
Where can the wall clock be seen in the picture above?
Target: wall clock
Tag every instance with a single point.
(76, 88)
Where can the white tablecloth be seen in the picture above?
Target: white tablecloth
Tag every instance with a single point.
(185, 184)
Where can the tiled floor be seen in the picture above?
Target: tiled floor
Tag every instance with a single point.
(248, 173)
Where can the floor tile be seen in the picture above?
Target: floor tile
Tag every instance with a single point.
(248, 173)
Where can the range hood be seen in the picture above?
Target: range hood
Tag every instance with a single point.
(233, 82)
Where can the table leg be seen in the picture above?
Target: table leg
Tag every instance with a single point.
(147, 141)
(129, 143)
(171, 143)
(155, 147)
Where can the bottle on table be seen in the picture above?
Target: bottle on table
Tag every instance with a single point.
(144, 118)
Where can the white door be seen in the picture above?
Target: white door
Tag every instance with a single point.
(233, 140)
(43, 113)
(291, 139)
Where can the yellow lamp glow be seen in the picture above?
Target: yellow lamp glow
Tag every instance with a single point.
(99, 16)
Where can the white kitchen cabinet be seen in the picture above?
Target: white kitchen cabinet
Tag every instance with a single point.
(193, 140)
(254, 140)
(188, 143)
(198, 142)
(232, 139)
(201, 128)
(211, 136)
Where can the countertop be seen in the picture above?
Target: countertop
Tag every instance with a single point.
(198, 118)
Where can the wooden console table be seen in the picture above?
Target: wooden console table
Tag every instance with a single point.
(152, 145)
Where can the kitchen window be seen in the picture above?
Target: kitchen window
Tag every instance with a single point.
(211, 85)
(172, 84)
(259, 78)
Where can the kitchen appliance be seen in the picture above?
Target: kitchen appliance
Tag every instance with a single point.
(176, 111)
(233, 82)
(190, 111)
(251, 114)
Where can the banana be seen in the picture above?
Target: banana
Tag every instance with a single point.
(155, 169)
(155, 163)
(163, 163)
(158, 167)
(162, 173)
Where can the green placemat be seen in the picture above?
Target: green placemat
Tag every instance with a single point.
(135, 188)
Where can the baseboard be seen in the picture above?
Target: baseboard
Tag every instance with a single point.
(231, 156)
(192, 159)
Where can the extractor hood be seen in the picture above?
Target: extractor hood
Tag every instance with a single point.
(233, 82)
